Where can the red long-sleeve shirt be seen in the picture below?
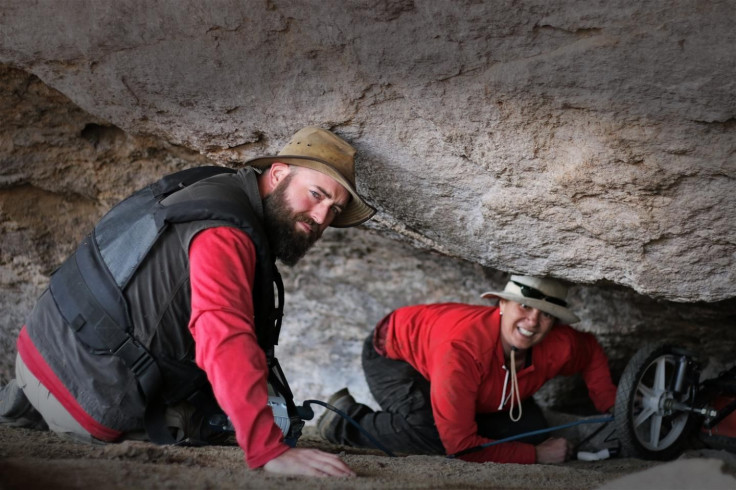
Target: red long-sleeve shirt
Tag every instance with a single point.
(222, 270)
(457, 348)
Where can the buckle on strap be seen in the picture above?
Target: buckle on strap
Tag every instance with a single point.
(135, 357)
(142, 364)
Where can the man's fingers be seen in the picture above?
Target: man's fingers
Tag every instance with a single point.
(308, 462)
(331, 464)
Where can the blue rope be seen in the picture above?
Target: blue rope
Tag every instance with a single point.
(380, 446)
(599, 420)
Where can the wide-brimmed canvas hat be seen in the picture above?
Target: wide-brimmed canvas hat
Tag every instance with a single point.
(547, 295)
(323, 151)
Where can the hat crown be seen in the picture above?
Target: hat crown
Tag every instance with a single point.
(321, 150)
(549, 287)
(548, 295)
(319, 144)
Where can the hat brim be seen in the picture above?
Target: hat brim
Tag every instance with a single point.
(563, 314)
(356, 212)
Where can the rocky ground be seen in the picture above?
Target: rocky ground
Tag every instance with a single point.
(33, 459)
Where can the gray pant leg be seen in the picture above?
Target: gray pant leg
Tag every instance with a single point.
(53, 412)
(405, 423)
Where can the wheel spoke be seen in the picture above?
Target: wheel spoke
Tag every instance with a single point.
(646, 392)
(643, 415)
(654, 431)
(660, 375)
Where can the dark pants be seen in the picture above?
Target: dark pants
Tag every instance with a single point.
(406, 423)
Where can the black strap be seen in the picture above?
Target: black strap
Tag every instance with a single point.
(206, 209)
(197, 391)
(278, 311)
(154, 421)
(173, 182)
(278, 381)
(98, 328)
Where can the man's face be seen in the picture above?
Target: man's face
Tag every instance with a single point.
(299, 209)
(523, 326)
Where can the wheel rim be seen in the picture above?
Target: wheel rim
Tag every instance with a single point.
(655, 426)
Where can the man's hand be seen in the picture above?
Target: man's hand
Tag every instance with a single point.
(553, 450)
(308, 462)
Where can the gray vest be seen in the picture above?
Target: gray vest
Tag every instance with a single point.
(153, 307)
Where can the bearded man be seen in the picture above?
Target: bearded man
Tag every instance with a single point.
(170, 303)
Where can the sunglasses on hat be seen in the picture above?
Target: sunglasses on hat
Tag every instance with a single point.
(530, 292)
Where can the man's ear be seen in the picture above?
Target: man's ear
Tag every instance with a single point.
(277, 172)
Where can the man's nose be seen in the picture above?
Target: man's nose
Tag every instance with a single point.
(320, 213)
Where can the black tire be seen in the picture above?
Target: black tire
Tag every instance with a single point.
(643, 427)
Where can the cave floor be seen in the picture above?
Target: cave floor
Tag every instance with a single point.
(39, 459)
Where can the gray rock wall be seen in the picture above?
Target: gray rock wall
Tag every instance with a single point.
(588, 140)
(591, 141)
(61, 168)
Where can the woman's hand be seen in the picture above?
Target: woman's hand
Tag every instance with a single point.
(553, 450)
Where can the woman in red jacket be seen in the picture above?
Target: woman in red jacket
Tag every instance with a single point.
(453, 376)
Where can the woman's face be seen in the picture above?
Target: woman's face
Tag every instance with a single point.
(523, 326)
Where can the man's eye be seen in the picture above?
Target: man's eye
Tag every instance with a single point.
(336, 210)
(315, 194)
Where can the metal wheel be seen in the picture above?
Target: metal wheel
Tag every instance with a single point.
(648, 422)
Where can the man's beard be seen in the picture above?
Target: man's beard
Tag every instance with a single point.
(287, 242)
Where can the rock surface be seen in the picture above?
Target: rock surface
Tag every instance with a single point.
(591, 141)
(62, 168)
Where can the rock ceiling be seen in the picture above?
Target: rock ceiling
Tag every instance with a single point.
(592, 142)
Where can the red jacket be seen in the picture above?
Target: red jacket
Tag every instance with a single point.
(457, 348)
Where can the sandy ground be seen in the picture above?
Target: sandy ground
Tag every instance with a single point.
(33, 459)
